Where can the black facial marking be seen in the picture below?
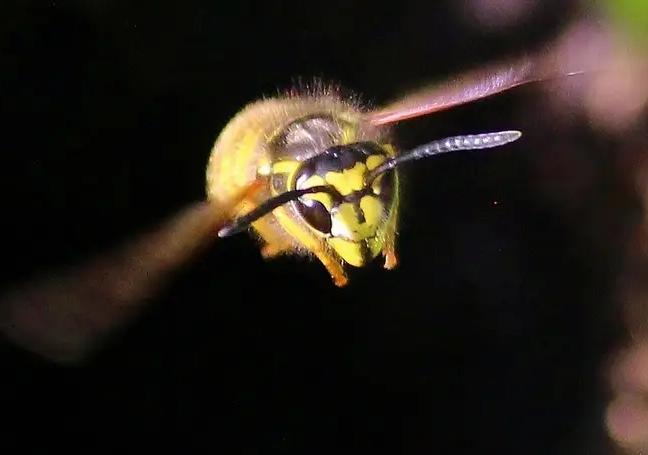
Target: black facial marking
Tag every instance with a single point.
(387, 181)
(364, 249)
(338, 158)
(359, 213)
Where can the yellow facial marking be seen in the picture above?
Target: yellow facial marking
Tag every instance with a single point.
(285, 167)
(349, 180)
(391, 151)
(373, 211)
(346, 222)
(324, 198)
(351, 252)
(375, 186)
(373, 161)
(313, 180)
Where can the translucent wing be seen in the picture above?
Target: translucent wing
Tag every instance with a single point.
(468, 87)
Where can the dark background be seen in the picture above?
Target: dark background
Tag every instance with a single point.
(491, 336)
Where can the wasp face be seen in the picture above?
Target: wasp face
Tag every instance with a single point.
(353, 217)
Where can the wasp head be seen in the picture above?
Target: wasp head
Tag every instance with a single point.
(352, 214)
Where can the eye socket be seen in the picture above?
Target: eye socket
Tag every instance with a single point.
(315, 214)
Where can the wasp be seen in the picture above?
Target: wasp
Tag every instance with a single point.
(319, 172)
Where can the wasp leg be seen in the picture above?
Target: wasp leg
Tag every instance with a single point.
(389, 250)
(333, 266)
(274, 239)
(391, 260)
(247, 197)
(275, 242)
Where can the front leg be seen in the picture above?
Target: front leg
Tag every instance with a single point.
(391, 260)
(389, 248)
(333, 266)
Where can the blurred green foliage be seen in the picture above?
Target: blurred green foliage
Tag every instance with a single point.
(630, 16)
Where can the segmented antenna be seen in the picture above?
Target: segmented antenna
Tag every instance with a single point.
(450, 144)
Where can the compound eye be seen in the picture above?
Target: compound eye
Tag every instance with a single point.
(315, 214)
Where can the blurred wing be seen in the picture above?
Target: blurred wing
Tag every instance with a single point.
(466, 88)
(69, 314)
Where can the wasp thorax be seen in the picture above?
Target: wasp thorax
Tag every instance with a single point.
(353, 214)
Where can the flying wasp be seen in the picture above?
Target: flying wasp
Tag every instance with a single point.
(319, 173)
